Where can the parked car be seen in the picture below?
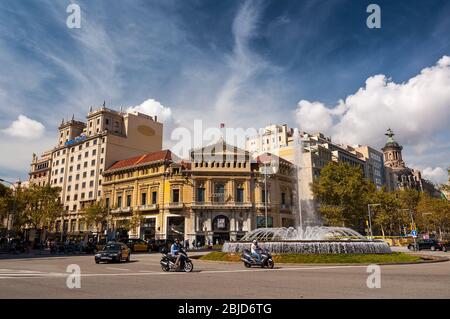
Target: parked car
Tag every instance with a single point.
(113, 251)
(137, 244)
(431, 244)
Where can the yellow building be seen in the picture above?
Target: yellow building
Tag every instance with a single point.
(218, 195)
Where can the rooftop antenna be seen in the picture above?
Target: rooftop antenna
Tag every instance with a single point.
(104, 103)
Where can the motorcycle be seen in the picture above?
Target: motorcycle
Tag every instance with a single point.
(265, 261)
(168, 261)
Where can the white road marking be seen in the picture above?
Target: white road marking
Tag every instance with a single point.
(157, 273)
(123, 269)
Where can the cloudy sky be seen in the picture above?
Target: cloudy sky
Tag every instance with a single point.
(310, 64)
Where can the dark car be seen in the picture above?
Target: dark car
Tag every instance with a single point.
(431, 244)
(113, 251)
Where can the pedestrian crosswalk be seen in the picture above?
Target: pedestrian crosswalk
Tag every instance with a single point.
(20, 273)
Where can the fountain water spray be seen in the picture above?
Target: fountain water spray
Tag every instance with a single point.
(309, 236)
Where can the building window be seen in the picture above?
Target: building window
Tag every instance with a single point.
(175, 196)
(92, 162)
(154, 197)
(240, 194)
(283, 199)
(91, 184)
(94, 152)
(119, 201)
(200, 194)
(92, 172)
(107, 202)
(143, 198)
(128, 200)
(219, 192)
(90, 194)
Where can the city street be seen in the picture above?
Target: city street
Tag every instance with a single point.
(45, 277)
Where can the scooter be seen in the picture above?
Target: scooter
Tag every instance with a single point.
(265, 261)
(168, 261)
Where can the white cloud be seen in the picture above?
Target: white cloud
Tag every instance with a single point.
(437, 175)
(25, 127)
(152, 108)
(314, 117)
(417, 110)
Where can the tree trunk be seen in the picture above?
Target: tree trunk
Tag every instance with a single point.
(382, 231)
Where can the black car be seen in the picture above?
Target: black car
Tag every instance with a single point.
(431, 244)
(113, 251)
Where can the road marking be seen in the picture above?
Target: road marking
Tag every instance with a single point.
(156, 273)
(123, 269)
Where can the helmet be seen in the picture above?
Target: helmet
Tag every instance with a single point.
(177, 240)
(255, 241)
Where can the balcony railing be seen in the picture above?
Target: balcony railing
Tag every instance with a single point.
(262, 205)
(222, 204)
(147, 207)
(178, 205)
(120, 210)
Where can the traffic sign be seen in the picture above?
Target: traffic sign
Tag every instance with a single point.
(414, 233)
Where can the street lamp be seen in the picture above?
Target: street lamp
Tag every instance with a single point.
(8, 226)
(370, 218)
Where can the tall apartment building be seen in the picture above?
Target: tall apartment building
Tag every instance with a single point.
(41, 169)
(85, 149)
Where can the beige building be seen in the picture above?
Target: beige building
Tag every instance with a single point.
(218, 195)
(41, 169)
(85, 150)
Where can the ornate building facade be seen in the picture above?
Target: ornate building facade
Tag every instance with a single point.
(218, 195)
(402, 176)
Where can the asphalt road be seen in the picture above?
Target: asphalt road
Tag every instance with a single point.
(45, 277)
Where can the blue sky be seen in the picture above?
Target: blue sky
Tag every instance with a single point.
(245, 63)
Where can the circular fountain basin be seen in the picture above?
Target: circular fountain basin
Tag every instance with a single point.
(314, 247)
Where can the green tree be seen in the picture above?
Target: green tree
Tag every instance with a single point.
(37, 206)
(6, 201)
(96, 214)
(434, 213)
(387, 216)
(343, 194)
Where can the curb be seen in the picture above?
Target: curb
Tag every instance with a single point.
(427, 260)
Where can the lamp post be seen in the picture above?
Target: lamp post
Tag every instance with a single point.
(370, 218)
(8, 226)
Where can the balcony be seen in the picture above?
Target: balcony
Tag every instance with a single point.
(147, 207)
(120, 210)
(178, 205)
(222, 205)
(262, 205)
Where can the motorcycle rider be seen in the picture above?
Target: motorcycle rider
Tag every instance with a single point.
(255, 250)
(175, 251)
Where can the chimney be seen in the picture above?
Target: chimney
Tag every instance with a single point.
(156, 118)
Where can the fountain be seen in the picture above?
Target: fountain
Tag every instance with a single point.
(309, 237)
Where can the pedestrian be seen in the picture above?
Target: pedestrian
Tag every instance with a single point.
(186, 244)
(193, 244)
